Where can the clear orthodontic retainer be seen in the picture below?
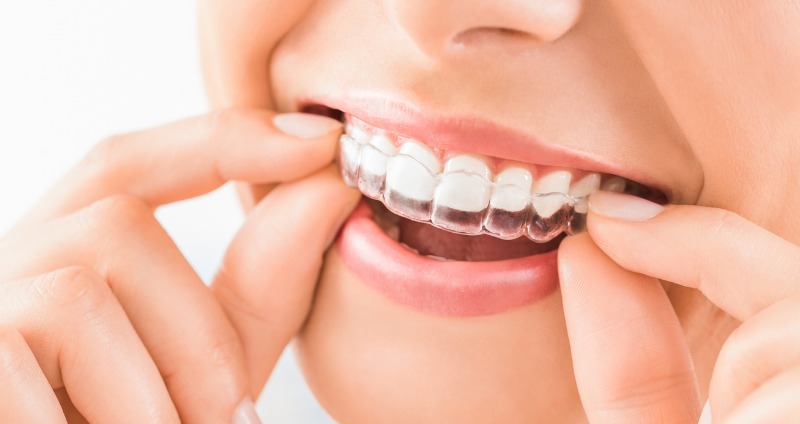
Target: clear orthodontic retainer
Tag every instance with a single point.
(408, 188)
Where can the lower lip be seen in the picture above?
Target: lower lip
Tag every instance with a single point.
(458, 289)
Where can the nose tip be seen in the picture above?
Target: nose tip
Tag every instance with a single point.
(437, 26)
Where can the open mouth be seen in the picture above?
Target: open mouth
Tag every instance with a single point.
(487, 227)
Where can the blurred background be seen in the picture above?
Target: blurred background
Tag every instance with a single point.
(72, 73)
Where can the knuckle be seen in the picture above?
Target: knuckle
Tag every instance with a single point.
(103, 154)
(726, 230)
(726, 224)
(11, 354)
(224, 348)
(234, 303)
(217, 127)
(119, 211)
(79, 290)
(219, 122)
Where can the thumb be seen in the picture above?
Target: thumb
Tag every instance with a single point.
(631, 360)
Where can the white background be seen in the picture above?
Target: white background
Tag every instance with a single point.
(73, 72)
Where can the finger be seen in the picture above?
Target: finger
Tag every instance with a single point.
(183, 327)
(83, 341)
(25, 394)
(757, 351)
(70, 411)
(630, 357)
(739, 266)
(270, 270)
(194, 156)
(774, 402)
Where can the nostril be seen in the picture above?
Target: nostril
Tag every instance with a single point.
(504, 38)
(474, 35)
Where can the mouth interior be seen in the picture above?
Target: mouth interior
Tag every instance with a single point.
(428, 240)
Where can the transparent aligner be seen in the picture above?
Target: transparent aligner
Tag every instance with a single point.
(461, 198)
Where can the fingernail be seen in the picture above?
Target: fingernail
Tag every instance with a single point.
(623, 206)
(246, 413)
(305, 125)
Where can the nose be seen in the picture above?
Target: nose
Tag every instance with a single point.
(440, 26)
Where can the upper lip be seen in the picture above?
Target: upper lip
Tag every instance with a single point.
(473, 134)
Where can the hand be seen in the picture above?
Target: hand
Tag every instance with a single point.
(631, 359)
(101, 317)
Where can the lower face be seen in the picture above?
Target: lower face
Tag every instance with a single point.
(393, 333)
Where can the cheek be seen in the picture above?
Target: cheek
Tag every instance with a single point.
(366, 358)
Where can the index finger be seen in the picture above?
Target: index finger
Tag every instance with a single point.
(194, 156)
(741, 267)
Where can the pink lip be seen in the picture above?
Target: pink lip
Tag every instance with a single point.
(441, 288)
(473, 134)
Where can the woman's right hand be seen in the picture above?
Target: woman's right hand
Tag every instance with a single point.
(102, 318)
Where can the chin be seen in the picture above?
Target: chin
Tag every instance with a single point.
(369, 359)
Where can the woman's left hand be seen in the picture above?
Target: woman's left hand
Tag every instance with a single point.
(631, 359)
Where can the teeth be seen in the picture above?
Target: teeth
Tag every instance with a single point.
(409, 248)
(584, 187)
(460, 202)
(359, 135)
(438, 258)
(464, 192)
(423, 154)
(349, 159)
(509, 206)
(468, 163)
(374, 161)
(512, 188)
(554, 182)
(393, 233)
(409, 188)
(516, 176)
(461, 195)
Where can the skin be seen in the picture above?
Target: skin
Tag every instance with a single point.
(601, 77)
(658, 309)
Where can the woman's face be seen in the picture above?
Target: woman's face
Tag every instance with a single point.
(698, 100)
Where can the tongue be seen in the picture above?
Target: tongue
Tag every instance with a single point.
(429, 240)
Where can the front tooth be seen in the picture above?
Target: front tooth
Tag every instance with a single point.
(516, 176)
(467, 163)
(462, 195)
(374, 160)
(422, 154)
(512, 188)
(554, 182)
(460, 201)
(409, 188)
(584, 187)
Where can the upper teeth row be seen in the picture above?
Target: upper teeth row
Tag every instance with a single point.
(463, 195)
